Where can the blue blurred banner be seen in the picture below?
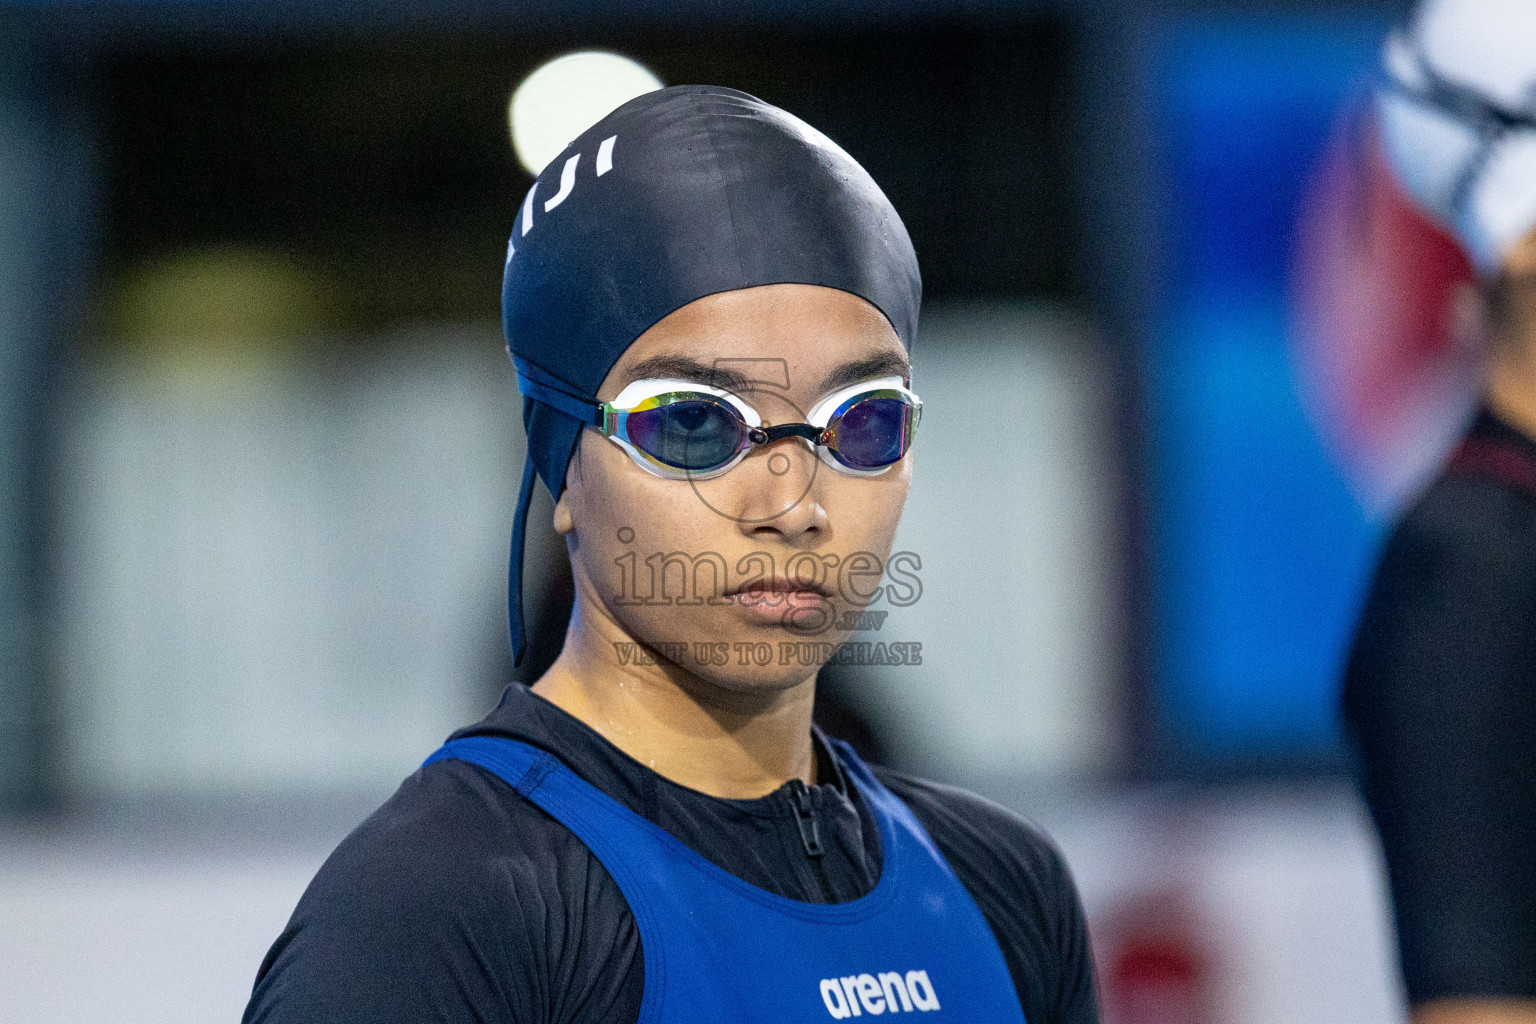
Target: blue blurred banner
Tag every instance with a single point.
(1260, 549)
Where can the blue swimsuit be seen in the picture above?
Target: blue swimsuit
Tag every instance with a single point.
(720, 950)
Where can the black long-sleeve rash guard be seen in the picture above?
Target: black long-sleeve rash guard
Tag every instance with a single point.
(460, 901)
(1440, 701)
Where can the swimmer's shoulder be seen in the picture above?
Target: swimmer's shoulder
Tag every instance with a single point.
(436, 907)
(980, 834)
(1020, 881)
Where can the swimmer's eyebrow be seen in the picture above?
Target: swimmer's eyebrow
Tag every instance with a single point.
(683, 368)
(883, 364)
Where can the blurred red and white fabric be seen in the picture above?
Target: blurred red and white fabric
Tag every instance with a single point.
(1386, 342)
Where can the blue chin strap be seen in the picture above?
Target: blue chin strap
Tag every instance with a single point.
(515, 569)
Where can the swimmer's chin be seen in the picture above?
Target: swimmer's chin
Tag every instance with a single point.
(747, 696)
(750, 681)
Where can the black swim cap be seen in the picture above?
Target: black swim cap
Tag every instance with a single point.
(678, 194)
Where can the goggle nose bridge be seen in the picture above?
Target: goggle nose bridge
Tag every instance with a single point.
(759, 436)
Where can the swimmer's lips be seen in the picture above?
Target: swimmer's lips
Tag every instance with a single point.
(772, 593)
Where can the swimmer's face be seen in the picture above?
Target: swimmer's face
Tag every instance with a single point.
(1510, 303)
(797, 539)
(1521, 261)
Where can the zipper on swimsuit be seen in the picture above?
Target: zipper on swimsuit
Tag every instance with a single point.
(810, 835)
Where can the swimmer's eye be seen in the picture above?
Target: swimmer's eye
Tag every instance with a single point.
(693, 432)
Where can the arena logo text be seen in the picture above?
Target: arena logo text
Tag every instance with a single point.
(859, 994)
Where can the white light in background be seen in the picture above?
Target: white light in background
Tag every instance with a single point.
(565, 97)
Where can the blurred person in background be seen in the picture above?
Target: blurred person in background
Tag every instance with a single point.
(1440, 688)
(655, 830)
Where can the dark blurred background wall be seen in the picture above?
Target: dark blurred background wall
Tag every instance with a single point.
(386, 160)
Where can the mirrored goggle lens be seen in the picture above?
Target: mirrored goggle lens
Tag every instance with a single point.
(691, 432)
(872, 432)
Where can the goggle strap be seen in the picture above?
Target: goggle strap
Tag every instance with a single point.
(585, 410)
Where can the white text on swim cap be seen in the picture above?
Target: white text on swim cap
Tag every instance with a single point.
(567, 186)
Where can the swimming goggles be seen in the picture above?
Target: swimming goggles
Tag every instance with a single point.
(681, 429)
